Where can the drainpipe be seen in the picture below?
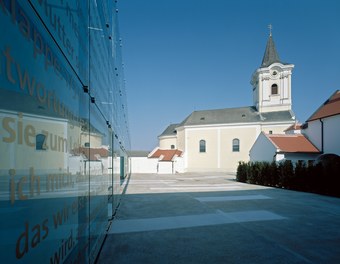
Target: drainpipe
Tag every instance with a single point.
(322, 139)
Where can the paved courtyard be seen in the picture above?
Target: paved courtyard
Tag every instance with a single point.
(211, 218)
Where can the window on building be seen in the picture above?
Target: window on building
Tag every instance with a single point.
(236, 145)
(87, 144)
(270, 132)
(202, 145)
(40, 142)
(172, 146)
(275, 89)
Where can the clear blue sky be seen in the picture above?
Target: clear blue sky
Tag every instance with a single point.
(187, 55)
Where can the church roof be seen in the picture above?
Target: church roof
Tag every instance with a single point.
(169, 131)
(270, 55)
(329, 108)
(247, 114)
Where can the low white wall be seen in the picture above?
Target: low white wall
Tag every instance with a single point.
(143, 165)
(147, 165)
(179, 165)
(165, 167)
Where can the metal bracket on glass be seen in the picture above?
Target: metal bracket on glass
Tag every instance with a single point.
(93, 100)
(86, 89)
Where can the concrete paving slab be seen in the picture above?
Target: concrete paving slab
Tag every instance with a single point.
(185, 221)
(188, 219)
(232, 198)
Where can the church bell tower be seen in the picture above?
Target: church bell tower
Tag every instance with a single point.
(271, 82)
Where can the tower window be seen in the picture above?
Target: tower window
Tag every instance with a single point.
(275, 89)
(172, 146)
(202, 146)
(236, 145)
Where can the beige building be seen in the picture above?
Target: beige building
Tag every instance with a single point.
(216, 140)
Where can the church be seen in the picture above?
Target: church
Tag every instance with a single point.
(216, 140)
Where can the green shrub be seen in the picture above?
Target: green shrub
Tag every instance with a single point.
(318, 178)
(241, 174)
(254, 173)
(286, 174)
(301, 181)
(269, 174)
(273, 179)
(330, 178)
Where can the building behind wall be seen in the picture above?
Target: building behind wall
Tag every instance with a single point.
(316, 139)
(64, 131)
(323, 126)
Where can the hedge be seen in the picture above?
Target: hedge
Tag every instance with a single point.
(318, 178)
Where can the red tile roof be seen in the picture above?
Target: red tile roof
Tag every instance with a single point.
(329, 108)
(292, 143)
(92, 154)
(166, 154)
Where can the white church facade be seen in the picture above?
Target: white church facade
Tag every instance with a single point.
(216, 140)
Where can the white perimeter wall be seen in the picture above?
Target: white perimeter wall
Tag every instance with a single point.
(147, 165)
(165, 167)
(143, 165)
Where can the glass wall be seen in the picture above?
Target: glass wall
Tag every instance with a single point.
(63, 128)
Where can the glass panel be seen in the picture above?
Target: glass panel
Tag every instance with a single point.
(98, 164)
(66, 21)
(44, 193)
(61, 155)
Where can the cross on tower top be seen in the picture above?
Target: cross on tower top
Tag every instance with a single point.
(270, 29)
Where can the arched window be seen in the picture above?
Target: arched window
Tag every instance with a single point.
(172, 146)
(40, 142)
(202, 145)
(236, 145)
(275, 89)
